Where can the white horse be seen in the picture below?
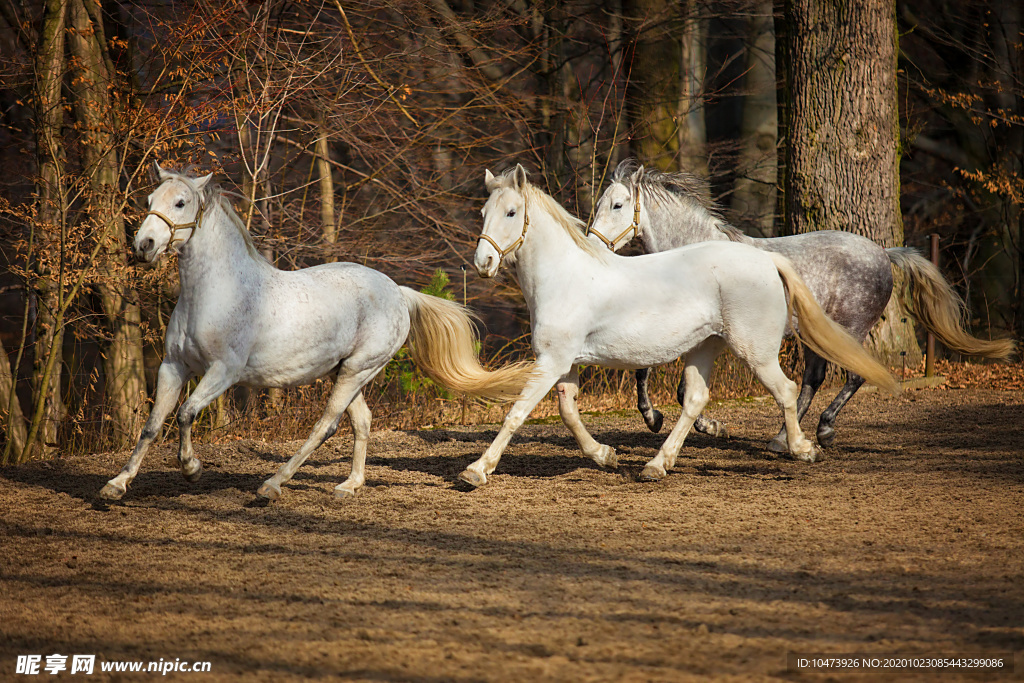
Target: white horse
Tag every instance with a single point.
(590, 306)
(240, 320)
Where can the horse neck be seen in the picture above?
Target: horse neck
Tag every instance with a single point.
(674, 225)
(547, 259)
(217, 250)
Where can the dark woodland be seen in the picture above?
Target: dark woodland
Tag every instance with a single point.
(360, 130)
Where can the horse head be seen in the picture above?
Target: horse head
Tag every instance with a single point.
(505, 220)
(175, 212)
(617, 217)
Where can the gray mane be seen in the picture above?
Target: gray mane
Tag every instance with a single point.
(682, 188)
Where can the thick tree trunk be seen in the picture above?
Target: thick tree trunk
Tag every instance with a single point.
(842, 137)
(123, 359)
(754, 196)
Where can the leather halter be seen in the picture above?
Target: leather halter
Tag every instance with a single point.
(634, 226)
(174, 227)
(502, 253)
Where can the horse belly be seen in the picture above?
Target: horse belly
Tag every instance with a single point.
(642, 345)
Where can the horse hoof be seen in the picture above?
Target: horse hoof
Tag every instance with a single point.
(826, 435)
(654, 424)
(719, 430)
(607, 457)
(809, 456)
(112, 492)
(193, 477)
(269, 491)
(778, 445)
(652, 473)
(474, 479)
(341, 493)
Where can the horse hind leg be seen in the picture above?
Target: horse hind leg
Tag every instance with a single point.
(359, 415)
(815, 368)
(703, 424)
(347, 387)
(785, 392)
(697, 375)
(652, 416)
(827, 422)
(568, 388)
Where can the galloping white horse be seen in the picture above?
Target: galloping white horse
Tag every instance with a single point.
(240, 320)
(590, 306)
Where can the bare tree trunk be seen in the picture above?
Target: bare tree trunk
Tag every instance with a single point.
(326, 181)
(690, 129)
(51, 204)
(753, 198)
(11, 416)
(123, 359)
(653, 92)
(842, 137)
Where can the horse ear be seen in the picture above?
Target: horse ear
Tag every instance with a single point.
(519, 177)
(201, 182)
(490, 182)
(637, 176)
(159, 172)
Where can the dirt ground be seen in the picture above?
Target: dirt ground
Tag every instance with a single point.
(907, 539)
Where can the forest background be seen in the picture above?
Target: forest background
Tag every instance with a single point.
(360, 131)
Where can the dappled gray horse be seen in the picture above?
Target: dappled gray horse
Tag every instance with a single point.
(240, 320)
(849, 275)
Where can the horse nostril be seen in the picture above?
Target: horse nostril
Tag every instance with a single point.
(144, 246)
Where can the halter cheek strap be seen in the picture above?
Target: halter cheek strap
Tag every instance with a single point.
(502, 253)
(174, 227)
(634, 226)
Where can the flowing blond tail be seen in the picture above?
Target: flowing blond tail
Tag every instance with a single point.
(824, 336)
(442, 342)
(937, 306)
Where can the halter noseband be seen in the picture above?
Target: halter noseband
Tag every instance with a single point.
(634, 226)
(174, 227)
(502, 253)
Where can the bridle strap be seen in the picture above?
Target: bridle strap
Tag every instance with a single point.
(174, 227)
(634, 226)
(502, 253)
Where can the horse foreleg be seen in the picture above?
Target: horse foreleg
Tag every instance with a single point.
(697, 376)
(347, 389)
(535, 390)
(827, 422)
(168, 387)
(815, 368)
(568, 388)
(215, 382)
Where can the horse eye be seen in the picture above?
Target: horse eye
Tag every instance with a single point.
(511, 213)
(180, 204)
(618, 205)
